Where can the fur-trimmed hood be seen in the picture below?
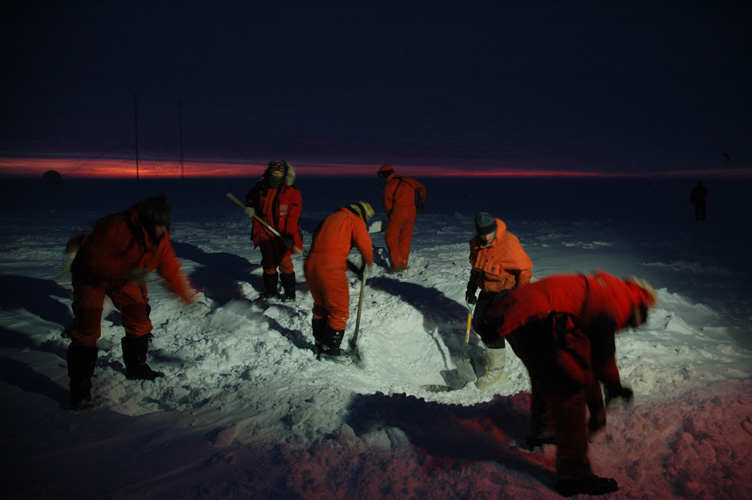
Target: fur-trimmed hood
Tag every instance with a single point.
(289, 171)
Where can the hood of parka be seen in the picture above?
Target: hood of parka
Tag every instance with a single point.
(289, 177)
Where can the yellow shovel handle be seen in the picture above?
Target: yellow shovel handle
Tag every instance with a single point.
(467, 330)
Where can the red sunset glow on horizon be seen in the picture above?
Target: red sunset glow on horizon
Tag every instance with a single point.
(151, 169)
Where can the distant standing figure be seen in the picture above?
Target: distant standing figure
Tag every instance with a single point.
(499, 265)
(325, 272)
(113, 260)
(697, 198)
(400, 205)
(562, 328)
(278, 203)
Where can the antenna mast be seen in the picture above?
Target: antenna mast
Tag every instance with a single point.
(182, 173)
(135, 119)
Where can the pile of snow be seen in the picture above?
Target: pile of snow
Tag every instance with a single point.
(246, 411)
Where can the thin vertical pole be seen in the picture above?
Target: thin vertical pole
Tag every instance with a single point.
(135, 119)
(182, 173)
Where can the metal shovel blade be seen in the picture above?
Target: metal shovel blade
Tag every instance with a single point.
(466, 371)
(376, 227)
(464, 367)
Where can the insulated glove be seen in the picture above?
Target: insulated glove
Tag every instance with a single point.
(137, 274)
(249, 211)
(288, 240)
(616, 391)
(360, 272)
(472, 287)
(419, 207)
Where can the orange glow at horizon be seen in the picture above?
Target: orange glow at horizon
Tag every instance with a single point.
(123, 168)
(150, 169)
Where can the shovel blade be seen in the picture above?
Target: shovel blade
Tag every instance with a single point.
(376, 227)
(465, 370)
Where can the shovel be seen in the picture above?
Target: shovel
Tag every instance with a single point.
(464, 368)
(261, 221)
(354, 352)
(376, 227)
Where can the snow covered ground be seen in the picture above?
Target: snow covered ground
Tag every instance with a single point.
(246, 411)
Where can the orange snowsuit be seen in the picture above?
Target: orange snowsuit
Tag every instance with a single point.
(326, 264)
(502, 264)
(113, 260)
(398, 197)
(562, 328)
(498, 267)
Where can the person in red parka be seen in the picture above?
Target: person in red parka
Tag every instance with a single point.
(278, 203)
(499, 264)
(113, 260)
(562, 328)
(325, 272)
(400, 205)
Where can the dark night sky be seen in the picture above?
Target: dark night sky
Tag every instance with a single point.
(611, 86)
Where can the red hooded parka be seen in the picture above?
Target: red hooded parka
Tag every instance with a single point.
(562, 328)
(114, 260)
(281, 208)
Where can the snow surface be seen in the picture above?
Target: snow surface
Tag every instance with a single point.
(246, 411)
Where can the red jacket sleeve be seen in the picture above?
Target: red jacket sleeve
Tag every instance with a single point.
(170, 269)
(420, 190)
(292, 220)
(603, 350)
(363, 241)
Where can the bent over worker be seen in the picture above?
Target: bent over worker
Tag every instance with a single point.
(278, 203)
(562, 328)
(399, 198)
(113, 261)
(325, 272)
(499, 264)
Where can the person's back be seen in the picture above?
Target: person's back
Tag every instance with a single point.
(336, 234)
(399, 200)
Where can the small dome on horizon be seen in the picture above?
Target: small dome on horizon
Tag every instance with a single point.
(52, 177)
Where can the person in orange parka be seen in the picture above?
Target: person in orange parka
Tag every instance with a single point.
(113, 261)
(325, 272)
(277, 202)
(562, 328)
(499, 265)
(400, 206)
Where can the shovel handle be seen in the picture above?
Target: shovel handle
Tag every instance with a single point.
(263, 223)
(467, 329)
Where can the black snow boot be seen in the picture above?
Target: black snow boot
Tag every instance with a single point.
(538, 442)
(81, 363)
(329, 342)
(590, 485)
(134, 356)
(288, 283)
(270, 285)
(317, 325)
